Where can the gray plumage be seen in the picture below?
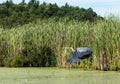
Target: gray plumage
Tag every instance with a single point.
(79, 54)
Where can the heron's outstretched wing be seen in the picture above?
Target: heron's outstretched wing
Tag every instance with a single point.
(79, 54)
(73, 57)
(84, 52)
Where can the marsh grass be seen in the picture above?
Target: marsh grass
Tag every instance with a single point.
(46, 40)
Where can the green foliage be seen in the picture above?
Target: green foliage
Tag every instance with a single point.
(43, 43)
(18, 14)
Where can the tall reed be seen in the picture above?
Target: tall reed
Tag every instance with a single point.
(43, 44)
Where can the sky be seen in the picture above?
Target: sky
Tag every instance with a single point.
(101, 7)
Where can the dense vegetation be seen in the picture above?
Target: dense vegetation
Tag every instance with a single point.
(18, 14)
(43, 44)
(48, 29)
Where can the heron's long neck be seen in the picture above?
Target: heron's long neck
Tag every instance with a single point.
(72, 49)
(69, 48)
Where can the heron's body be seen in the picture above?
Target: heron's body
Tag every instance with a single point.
(79, 54)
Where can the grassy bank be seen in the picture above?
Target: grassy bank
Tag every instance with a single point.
(43, 44)
(56, 76)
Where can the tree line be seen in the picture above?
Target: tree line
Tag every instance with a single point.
(12, 14)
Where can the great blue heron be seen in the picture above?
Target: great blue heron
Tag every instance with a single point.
(79, 54)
